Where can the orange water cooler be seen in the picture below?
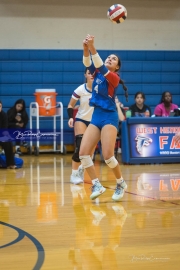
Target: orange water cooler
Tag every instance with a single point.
(46, 99)
(47, 106)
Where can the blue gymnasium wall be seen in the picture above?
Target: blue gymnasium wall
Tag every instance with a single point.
(23, 71)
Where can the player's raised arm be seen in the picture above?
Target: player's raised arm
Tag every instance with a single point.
(86, 57)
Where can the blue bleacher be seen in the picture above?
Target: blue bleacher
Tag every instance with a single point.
(23, 71)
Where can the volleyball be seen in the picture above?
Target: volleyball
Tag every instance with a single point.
(117, 13)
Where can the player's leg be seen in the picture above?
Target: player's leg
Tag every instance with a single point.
(77, 175)
(88, 144)
(108, 140)
(81, 127)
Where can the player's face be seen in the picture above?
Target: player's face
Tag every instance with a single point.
(89, 76)
(19, 107)
(0, 107)
(139, 99)
(112, 62)
(167, 97)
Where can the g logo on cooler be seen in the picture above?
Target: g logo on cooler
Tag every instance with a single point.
(47, 102)
(47, 99)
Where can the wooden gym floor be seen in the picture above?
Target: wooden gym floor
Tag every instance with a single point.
(47, 223)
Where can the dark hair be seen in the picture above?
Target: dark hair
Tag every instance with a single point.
(119, 62)
(124, 88)
(20, 101)
(163, 96)
(121, 81)
(0, 102)
(12, 112)
(86, 69)
(140, 93)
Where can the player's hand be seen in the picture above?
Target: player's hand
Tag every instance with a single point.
(71, 123)
(90, 40)
(85, 45)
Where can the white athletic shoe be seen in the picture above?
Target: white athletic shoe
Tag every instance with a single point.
(81, 172)
(119, 192)
(97, 190)
(75, 179)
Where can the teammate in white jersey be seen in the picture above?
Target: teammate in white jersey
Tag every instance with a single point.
(82, 119)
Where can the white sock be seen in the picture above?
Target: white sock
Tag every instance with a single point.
(95, 181)
(120, 180)
(74, 172)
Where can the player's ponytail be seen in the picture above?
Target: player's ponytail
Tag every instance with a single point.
(124, 88)
(121, 81)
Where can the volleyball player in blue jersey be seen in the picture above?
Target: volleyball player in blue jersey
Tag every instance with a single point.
(104, 123)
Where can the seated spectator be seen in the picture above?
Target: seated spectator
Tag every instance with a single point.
(166, 106)
(139, 109)
(6, 145)
(18, 119)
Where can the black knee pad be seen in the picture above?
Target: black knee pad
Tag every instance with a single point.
(78, 140)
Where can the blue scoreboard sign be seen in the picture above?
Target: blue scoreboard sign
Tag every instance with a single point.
(150, 140)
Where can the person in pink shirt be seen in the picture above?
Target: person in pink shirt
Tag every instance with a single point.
(166, 106)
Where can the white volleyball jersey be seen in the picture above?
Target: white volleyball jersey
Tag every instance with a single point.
(83, 95)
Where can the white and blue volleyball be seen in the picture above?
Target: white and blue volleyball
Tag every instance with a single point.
(117, 13)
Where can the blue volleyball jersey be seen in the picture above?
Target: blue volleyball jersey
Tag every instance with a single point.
(104, 90)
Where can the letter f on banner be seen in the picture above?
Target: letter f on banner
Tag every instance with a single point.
(163, 141)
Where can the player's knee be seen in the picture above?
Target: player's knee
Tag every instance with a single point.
(78, 140)
(86, 161)
(112, 162)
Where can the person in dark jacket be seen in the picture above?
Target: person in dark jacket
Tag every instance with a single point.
(6, 145)
(139, 109)
(18, 119)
